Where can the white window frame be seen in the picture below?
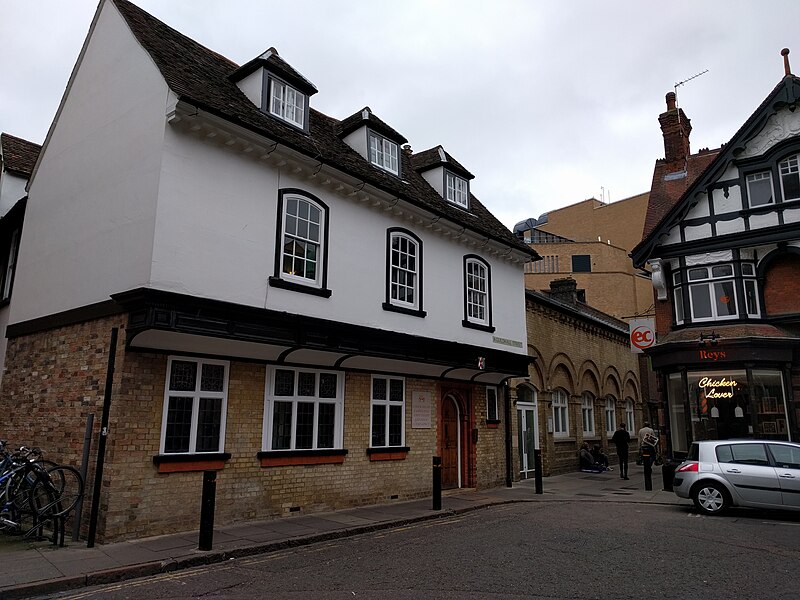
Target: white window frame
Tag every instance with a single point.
(271, 398)
(387, 403)
(457, 190)
(630, 422)
(289, 222)
(384, 153)
(196, 395)
(477, 292)
(560, 413)
(492, 413)
(756, 177)
(677, 297)
(287, 103)
(399, 269)
(788, 167)
(611, 416)
(750, 284)
(11, 264)
(587, 413)
(709, 283)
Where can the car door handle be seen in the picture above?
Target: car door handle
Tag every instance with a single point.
(786, 476)
(734, 471)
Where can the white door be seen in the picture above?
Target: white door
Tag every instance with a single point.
(527, 436)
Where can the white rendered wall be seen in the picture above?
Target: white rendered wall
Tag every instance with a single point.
(216, 234)
(12, 190)
(90, 215)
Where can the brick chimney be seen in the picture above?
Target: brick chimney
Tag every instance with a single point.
(675, 127)
(564, 290)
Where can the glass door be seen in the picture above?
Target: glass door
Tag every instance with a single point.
(526, 439)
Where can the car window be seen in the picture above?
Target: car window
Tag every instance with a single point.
(786, 457)
(694, 452)
(743, 454)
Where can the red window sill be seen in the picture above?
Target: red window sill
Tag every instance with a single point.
(389, 453)
(189, 463)
(290, 458)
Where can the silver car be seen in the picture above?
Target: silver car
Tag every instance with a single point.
(754, 473)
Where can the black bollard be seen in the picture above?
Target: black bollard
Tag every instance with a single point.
(537, 465)
(207, 510)
(437, 483)
(648, 453)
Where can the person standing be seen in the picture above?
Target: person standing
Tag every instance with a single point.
(622, 439)
(643, 434)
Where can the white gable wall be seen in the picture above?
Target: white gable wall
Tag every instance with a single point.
(12, 189)
(90, 216)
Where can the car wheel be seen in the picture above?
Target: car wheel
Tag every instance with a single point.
(711, 498)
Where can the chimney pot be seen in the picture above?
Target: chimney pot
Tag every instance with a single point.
(670, 100)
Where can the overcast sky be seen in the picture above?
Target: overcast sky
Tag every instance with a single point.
(547, 103)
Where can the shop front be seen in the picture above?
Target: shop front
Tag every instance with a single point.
(726, 393)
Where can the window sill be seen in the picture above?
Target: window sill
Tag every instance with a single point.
(478, 326)
(187, 463)
(492, 423)
(291, 458)
(405, 311)
(388, 453)
(299, 287)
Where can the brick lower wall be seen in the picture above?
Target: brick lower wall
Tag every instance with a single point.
(56, 378)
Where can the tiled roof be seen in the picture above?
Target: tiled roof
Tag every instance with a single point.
(581, 310)
(366, 117)
(19, 156)
(202, 77)
(428, 159)
(272, 61)
(736, 331)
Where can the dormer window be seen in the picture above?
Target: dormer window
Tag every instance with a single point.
(457, 190)
(287, 103)
(383, 153)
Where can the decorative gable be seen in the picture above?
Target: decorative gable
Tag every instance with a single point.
(276, 88)
(373, 139)
(445, 174)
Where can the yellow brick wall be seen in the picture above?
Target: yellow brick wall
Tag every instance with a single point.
(55, 378)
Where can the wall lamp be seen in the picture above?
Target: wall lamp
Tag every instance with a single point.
(708, 338)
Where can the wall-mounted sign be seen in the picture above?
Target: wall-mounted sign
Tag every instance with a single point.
(718, 388)
(420, 410)
(712, 354)
(643, 334)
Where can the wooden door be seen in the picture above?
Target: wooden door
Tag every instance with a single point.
(450, 434)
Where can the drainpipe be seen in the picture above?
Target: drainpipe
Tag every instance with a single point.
(509, 465)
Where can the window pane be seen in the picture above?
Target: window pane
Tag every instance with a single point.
(678, 301)
(379, 388)
(183, 377)
(282, 426)
(701, 301)
(284, 382)
(209, 420)
(491, 404)
(327, 385)
(759, 189)
(378, 425)
(697, 274)
(581, 263)
(722, 271)
(748, 269)
(395, 425)
(751, 297)
(306, 384)
(212, 378)
(395, 390)
(304, 438)
(179, 424)
(725, 298)
(325, 426)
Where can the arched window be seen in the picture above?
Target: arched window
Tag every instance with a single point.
(611, 415)
(560, 413)
(629, 420)
(587, 414)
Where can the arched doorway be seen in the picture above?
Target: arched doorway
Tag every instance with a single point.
(451, 448)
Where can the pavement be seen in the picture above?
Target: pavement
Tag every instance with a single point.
(39, 568)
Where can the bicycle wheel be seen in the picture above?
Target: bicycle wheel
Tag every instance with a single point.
(63, 485)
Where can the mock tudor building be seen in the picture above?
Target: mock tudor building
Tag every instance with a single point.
(722, 237)
(304, 305)
(17, 157)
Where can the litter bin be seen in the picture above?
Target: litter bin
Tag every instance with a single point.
(668, 473)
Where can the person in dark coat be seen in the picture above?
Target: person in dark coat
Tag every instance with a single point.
(622, 439)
